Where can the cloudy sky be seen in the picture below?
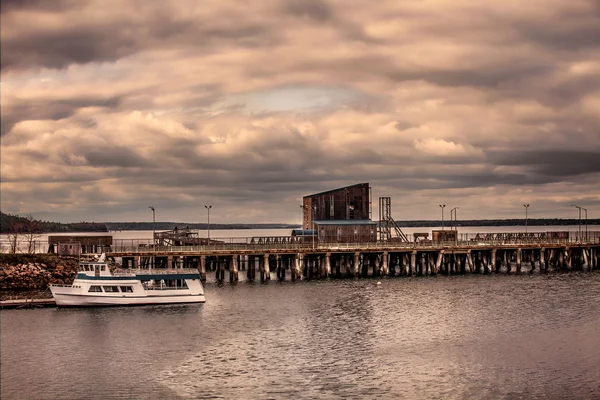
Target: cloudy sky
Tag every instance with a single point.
(109, 106)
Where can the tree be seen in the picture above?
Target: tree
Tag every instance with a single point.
(14, 228)
(31, 232)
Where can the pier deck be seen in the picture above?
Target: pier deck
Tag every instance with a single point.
(481, 254)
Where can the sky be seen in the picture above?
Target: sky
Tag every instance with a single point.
(111, 106)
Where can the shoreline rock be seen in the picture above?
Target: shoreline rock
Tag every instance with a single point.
(29, 275)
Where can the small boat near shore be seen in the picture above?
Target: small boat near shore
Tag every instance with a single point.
(96, 285)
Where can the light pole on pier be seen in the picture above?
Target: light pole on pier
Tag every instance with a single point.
(579, 224)
(526, 207)
(208, 224)
(442, 206)
(586, 231)
(314, 209)
(153, 235)
(455, 219)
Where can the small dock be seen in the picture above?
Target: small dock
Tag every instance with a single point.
(27, 303)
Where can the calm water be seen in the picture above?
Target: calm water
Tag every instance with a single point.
(465, 337)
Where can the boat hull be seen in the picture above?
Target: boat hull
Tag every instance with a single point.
(78, 300)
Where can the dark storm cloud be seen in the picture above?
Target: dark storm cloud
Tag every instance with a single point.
(553, 164)
(84, 41)
(317, 10)
(114, 157)
(55, 5)
(48, 109)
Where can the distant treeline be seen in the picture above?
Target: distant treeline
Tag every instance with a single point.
(28, 224)
(498, 222)
(167, 226)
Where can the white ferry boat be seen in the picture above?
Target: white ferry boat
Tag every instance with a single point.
(96, 285)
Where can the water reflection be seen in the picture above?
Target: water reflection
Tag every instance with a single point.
(482, 337)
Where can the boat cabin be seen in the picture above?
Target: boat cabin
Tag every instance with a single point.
(94, 269)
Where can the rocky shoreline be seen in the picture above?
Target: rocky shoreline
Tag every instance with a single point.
(28, 275)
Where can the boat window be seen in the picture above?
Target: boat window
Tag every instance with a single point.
(126, 289)
(95, 288)
(102, 268)
(111, 289)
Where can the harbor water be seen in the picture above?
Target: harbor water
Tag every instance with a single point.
(460, 337)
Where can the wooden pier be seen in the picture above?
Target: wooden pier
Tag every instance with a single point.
(27, 303)
(493, 253)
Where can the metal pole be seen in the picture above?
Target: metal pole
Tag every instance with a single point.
(526, 207)
(313, 226)
(208, 225)
(442, 207)
(586, 229)
(579, 224)
(455, 210)
(579, 238)
(153, 236)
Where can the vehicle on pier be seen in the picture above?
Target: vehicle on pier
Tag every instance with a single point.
(96, 285)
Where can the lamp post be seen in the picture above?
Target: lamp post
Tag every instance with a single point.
(586, 231)
(455, 219)
(314, 208)
(442, 206)
(579, 225)
(526, 207)
(208, 225)
(153, 235)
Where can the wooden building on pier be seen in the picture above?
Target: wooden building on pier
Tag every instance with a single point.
(346, 203)
(74, 245)
(346, 231)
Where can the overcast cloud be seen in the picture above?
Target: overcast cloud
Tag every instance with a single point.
(109, 106)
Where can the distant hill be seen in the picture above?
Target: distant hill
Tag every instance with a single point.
(165, 226)
(497, 222)
(18, 224)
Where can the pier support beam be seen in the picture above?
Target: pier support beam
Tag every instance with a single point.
(298, 266)
(326, 271)
(233, 269)
(203, 268)
(567, 259)
(493, 261)
(251, 273)
(385, 270)
(356, 265)
(220, 274)
(586, 264)
(431, 262)
(506, 261)
(281, 266)
(561, 259)
(413, 262)
(438, 263)
(469, 265)
(265, 273)
(518, 257)
(543, 263)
